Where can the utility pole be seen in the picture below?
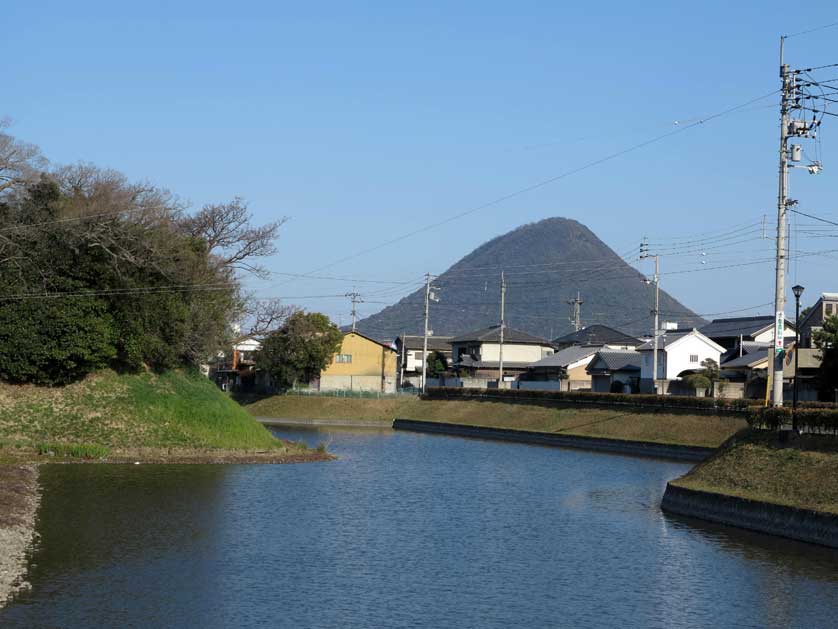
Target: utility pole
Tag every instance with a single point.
(782, 204)
(429, 296)
(356, 299)
(502, 324)
(794, 96)
(644, 253)
(576, 319)
(401, 366)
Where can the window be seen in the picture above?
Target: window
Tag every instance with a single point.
(828, 309)
(343, 358)
(693, 358)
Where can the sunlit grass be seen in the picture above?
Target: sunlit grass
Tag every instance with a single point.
(111, 411)
(802, 473)
(619, 423)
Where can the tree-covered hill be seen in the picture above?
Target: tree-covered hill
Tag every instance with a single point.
(546, 264)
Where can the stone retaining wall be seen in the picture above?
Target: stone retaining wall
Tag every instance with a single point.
(799, 524)
(618, 446)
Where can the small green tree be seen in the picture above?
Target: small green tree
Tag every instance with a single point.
(698, 381)
(437, 364)
(826, 340)
(300, 349)
(710, 369)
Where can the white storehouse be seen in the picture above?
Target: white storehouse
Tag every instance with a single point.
(679, 354)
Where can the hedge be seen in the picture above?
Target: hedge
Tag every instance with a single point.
(587, 397)
(819, 420)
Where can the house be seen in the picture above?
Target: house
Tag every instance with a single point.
(361, 364)
(745, 369)
(748, 373)
(730, 332)
(826, 306)
(679, 354)
(610, 366)
(598, 336)
(563, 371)
(235, 369)
(409, 349)
(477, 354)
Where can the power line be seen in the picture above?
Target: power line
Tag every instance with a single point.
(548, 181)
(817, 218)
(811, 30)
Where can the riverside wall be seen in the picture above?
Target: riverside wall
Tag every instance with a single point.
(617, 446)
(799, 524)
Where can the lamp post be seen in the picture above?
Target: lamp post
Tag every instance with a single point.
(798, 291)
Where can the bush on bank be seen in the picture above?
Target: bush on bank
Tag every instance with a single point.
(819, 420)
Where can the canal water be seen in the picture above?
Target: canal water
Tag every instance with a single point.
(405, 530)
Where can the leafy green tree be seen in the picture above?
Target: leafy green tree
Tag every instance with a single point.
(300, 349)
(437, 364)
(698, 381)
(53, 342)
(826, 340)
(710, 369)
(133, 281)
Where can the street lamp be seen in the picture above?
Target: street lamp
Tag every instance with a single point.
(798, 291)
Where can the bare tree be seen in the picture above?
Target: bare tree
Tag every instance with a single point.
(231, 239)
(20, 163)
(262, 316)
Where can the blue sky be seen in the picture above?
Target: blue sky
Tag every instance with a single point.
(363, 121)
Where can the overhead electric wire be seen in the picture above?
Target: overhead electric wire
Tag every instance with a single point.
(811, 30)
(813, 217)
(547, 181)
(69, 219)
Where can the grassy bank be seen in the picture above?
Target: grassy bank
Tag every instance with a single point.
(659, 427)
(802, 473)
(176, 416)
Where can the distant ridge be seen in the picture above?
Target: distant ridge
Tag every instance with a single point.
(545, 264)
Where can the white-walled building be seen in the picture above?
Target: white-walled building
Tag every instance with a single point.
(477, 354)
(679, 354)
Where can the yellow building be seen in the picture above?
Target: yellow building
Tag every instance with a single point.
(361, 364)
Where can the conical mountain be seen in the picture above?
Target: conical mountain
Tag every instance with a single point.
(546, 264)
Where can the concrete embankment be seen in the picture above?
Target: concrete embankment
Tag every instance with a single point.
(617, 446)
(19, 497)
(799, 524)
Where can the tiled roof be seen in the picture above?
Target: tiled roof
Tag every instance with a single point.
(614, 360)
(435, 343)
(386, 344)
(597, 335)
(745, 361)
(664, 339)
(746, 326)
(492, 335)
(565, 357)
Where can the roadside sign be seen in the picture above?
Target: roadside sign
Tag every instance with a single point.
(779, 330)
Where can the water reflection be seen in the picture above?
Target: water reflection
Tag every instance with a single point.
(405, 530)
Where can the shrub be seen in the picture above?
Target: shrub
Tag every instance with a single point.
(819, 420)
(587, 397)
(698, 381)
(54, 341)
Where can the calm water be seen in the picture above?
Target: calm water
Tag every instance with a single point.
(405, 531)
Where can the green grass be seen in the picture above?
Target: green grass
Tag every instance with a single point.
(632, 425)
(73, 450)
(802, 473)
(109, 411)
